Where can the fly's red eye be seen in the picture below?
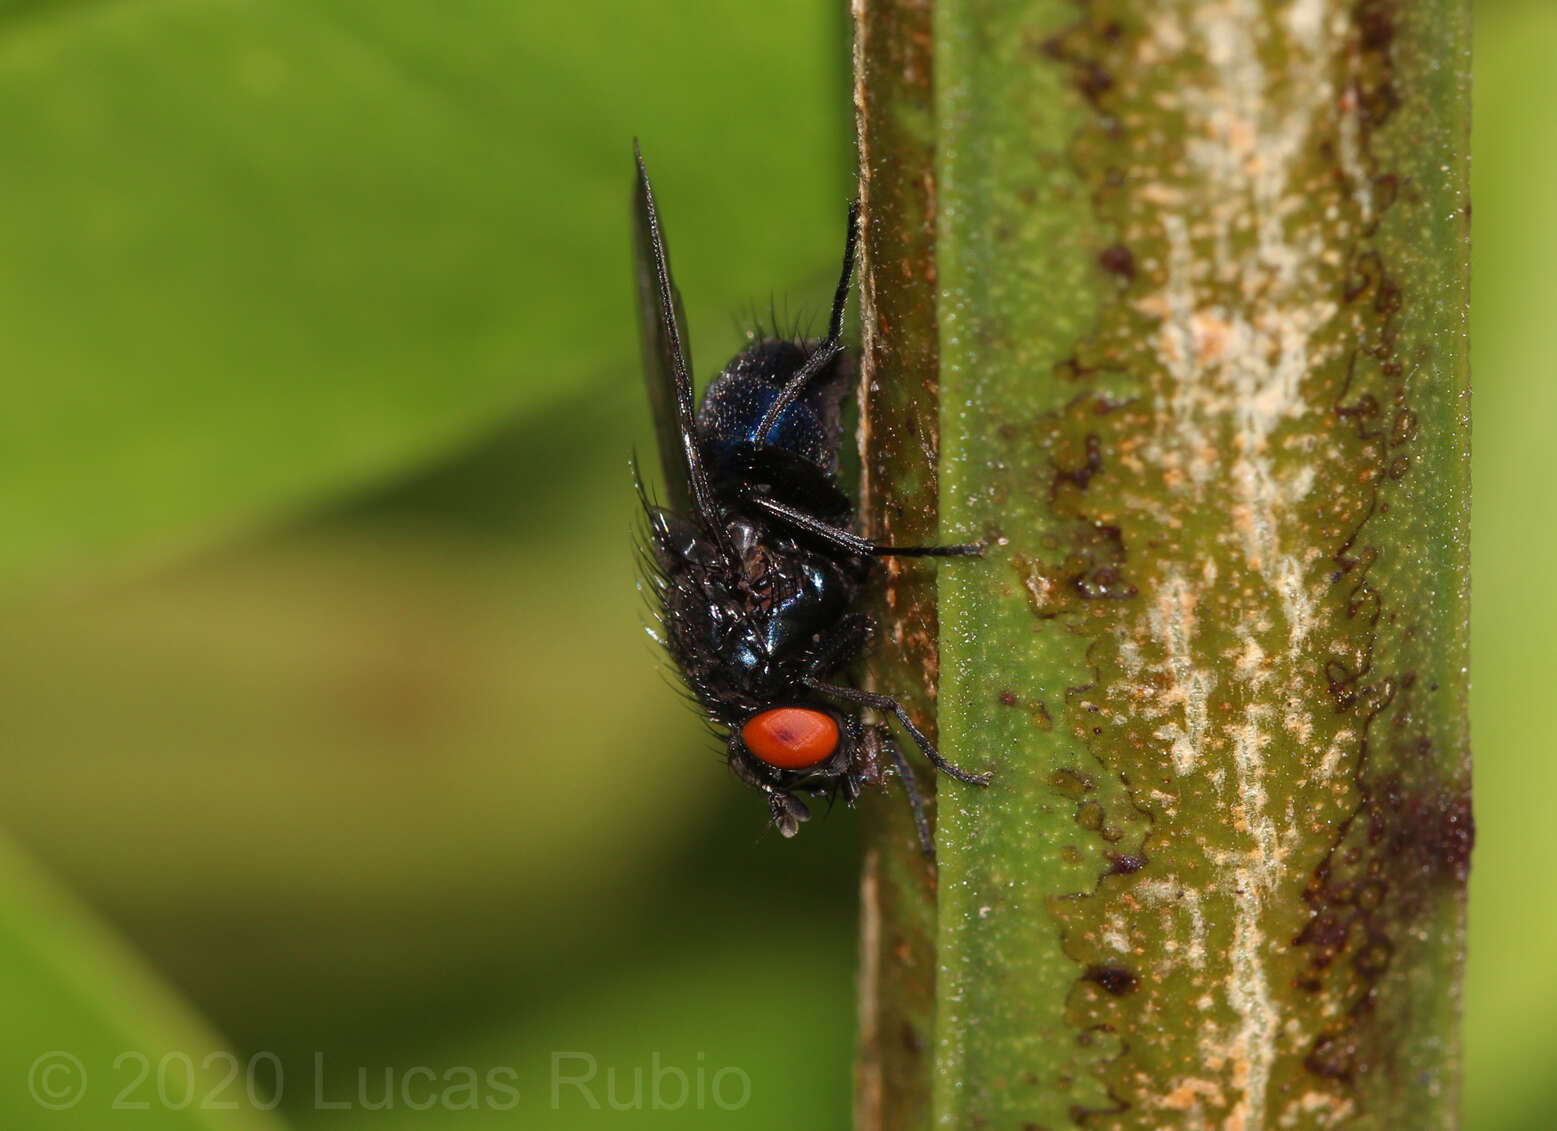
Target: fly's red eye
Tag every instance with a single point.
(791, 738)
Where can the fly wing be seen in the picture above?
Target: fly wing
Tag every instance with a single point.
(662, 330)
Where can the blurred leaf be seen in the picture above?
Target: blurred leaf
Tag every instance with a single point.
(1510, 1028)
(92, 1041)
(330, 736)
(743, 1032)
(252, 254)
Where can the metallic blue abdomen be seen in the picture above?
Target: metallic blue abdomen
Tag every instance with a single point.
(734, 405)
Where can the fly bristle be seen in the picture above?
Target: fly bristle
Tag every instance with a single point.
(776, 324)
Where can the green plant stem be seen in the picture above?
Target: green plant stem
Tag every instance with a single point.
(899, 425)
(1199, 284)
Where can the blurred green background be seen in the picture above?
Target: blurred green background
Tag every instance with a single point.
(333, 752)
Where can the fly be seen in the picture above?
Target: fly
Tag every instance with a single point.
(753, 563)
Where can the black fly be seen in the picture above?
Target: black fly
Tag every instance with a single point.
(753, 562)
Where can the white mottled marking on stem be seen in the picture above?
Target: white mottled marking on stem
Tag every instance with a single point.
(1172, 620)
(1244, 315)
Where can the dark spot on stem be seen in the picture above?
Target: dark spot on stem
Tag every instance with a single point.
(1117, 259)
(1080, 474)
(1123, 863)
(1114, 978)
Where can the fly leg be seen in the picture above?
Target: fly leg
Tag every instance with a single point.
(829, 347)
(876, 739)
(878, 702)
(850, 542)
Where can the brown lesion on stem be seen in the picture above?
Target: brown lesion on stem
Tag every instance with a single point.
(899, 436)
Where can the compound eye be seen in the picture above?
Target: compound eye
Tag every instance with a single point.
(791, 738)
